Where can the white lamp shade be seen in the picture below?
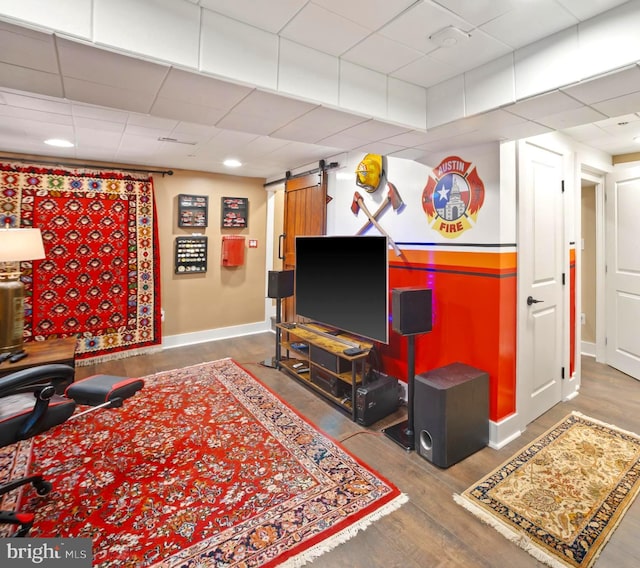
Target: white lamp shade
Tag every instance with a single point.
(20, 244)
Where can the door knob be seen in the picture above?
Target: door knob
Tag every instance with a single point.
(532, 300)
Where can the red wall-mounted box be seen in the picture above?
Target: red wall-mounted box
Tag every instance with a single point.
(232, 250)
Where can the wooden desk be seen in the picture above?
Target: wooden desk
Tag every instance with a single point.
(43, 353)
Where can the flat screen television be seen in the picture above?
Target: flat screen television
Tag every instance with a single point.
(343, 282)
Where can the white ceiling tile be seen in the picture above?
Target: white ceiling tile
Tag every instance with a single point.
(85, 138)
(101, 126)
(249, 115)
(539, 106)
(37, 102)
(610, 41)
(308, 73)
(585, 10)
(480, 48)
(237, 51)
(490, 86)
(71, 16)
(414, 26)
(362, 90)
(201, 90)
(606, 87)
(445, 102)
(317, 124)
(371, 130)
(109, 96)
(163, 29)
(24, 79)
(407, 103)
(270, 16)
(410, 139)
(325, 31)
(425, 71)
(376, 12)
(381, 54)
(27, 48)
(529, 22)
(569, 118)
(99, 113)
(380, 147)
(39, 116)
(547, 63)
(479, 11)
(187, 112)
(199, 132)
(620, 105)
(86, 63)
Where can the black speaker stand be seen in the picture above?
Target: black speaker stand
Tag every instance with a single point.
(403, 433)
(274, 362)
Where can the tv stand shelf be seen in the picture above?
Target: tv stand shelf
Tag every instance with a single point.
(331, 373)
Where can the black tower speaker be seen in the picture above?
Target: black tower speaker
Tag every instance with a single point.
(451, 413)
(411, 310)
(280, 283)
(411, 315)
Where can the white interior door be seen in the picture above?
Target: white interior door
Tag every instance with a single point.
(540, 293)
(622, 279)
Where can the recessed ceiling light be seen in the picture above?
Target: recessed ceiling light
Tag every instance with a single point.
(231, 163)
(59, 143)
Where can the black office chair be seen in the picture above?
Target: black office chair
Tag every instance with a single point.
(36, 399)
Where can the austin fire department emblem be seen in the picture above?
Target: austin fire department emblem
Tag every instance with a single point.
(452, 197)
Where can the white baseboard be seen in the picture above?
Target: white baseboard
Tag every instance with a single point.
(503, 432)
(171, 341)
(588, 348)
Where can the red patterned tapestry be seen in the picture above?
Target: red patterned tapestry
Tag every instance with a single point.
(204, 467)
(100, 278)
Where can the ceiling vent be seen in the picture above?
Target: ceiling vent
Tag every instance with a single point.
(175, 141)
(449, 37)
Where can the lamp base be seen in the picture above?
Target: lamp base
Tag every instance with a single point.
(11, 315)
(401, 435)
(271, 363)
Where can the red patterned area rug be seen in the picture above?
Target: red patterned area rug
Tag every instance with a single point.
(563, 495)
(100, 278)
(203, 467)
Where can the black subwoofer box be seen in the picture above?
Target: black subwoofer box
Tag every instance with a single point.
(411, 310)
(280, 283)
(451, 413)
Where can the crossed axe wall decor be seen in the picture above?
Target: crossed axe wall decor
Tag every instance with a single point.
(392, 199)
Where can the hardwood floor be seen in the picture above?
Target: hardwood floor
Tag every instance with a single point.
(430, 530)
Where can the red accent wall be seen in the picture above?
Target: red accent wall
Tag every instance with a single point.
(474, 318)
(572, 311)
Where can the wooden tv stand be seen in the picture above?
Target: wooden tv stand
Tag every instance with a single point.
(326, 362)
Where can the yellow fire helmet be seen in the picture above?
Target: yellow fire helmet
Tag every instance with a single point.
(369, 172)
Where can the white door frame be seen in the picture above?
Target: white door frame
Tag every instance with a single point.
(598, 179)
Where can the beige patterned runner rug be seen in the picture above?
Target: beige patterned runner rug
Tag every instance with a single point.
(564, 494)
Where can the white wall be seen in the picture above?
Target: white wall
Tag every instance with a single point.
(411, 225)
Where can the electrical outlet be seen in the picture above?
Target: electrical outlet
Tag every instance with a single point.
(583, 319)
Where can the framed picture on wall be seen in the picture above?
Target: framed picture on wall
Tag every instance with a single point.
(193, 210)
(190, 255)
(235, 212)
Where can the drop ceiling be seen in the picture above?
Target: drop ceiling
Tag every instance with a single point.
(117, 108)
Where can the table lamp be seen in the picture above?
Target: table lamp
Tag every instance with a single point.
(16, 245)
